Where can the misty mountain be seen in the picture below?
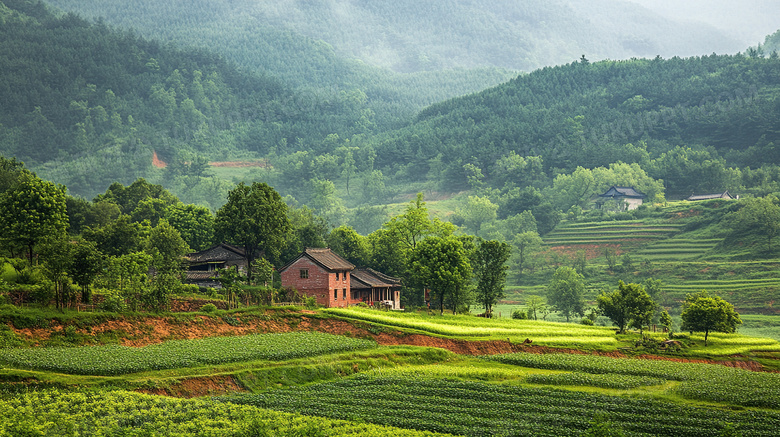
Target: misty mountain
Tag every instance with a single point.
(413, 35)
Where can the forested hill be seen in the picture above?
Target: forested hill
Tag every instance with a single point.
(87, 106)
(414, 35)
(241, 31)
(722, 110)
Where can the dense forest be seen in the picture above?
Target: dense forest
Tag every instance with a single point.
(83, 113)
(412, 36)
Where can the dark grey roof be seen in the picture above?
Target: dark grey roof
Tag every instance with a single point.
(615, 191)
(326, 258)
(370, 278)
(217, 253)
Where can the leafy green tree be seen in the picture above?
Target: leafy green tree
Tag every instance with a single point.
(351, 245)
(707, 312)
(167, 248)
(478, 211)
(194, 223)
(254, 218)
(565, 292)
(760, 215)
(307, 230)
(629, 305)
(442, 265)
(666, 321)
(56, 259)
(31, 211)
(526, 245)
(118, 237)
(87, 264)
(535, 304)
(490, 271)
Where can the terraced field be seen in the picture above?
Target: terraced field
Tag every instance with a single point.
(629, 233)
(677, 249)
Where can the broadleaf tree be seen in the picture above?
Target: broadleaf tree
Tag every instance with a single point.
(254, 218)
(629, 305)
(565, 292)
(490, 271)
(707, 312)
(442, 265)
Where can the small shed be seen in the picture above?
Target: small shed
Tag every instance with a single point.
(629, 197)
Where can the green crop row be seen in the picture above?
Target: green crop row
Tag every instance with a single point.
(620, 382)
(117, 360)
(57, 413)
(485, 409)
(708, 382)
(542, 332)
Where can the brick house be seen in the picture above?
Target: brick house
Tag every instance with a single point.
(335, 282)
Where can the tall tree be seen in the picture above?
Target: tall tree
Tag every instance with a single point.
(761, 215)
(254, 218)
(490, 270)
(31, 211)
(351, 245)
(87, 263)
(565, 292)
(707, 312)
(442, 265)
(629, 305)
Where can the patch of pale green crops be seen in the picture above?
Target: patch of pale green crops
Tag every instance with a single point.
(538, 331)
(732, 344)
(615, 381)
(117, 360)
(60, 413)
(709, 382)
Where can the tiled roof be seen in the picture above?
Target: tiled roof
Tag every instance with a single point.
(193, 275)
(372, 278)
(216, 253)
(328, 259)
(623, 191)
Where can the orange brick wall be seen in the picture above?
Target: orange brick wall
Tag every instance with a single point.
(320, 283)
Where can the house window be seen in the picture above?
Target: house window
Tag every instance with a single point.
(345, 294)
(336, 294)
(337, 276)
(304, 273)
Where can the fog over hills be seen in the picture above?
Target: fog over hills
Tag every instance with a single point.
(749, 21)
(426, 35)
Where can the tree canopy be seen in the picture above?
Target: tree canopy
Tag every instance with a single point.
(707, 312)
(629, 305)
(565, 292)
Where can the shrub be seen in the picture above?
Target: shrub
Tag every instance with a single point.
(519, 314)
(586, 321)
(113, 302)
(208, 308)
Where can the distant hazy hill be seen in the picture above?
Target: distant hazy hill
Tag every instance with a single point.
(415, 35)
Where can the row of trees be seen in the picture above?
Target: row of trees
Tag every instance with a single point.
(130, 231)
(630, 306)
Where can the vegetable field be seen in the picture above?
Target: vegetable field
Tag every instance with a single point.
(118, 360)
(704, 382)
(483, 409)
(59, 413)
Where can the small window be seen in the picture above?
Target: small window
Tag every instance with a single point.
(304, 273)
(345, 294)
(337, 276)
(336, 294)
